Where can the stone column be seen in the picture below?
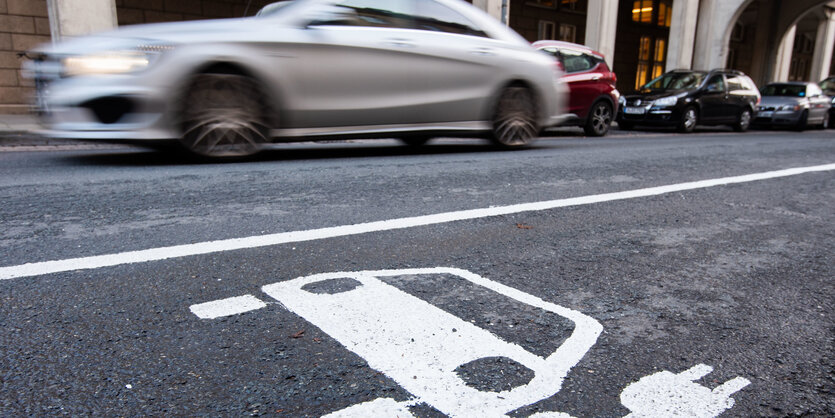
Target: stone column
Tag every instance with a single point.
(68, 18)
(601, 27)
(824, 45)
(716, 19)
(784, 56)
(500, 9)
(682, 34)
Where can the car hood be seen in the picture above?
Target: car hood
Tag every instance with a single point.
(780, 101)
(649, 96)
(172, 33)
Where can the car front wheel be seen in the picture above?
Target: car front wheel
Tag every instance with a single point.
(689, 119)
(599, 119)
(514, 118)
(223, 116)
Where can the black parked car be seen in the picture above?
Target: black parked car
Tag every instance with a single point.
(685, 98)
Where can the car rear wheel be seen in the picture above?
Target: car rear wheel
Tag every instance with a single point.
(514, 119)
(599, 119)
(223, 116)
(689, 119)
(743, 122)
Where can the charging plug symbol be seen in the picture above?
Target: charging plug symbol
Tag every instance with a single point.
(666, 394)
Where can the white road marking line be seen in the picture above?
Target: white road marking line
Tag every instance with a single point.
(164, 253)
(227, 307)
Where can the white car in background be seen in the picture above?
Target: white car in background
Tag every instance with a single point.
(311, 69)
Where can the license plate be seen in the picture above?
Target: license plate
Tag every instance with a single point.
(765, 114)
(634, 110)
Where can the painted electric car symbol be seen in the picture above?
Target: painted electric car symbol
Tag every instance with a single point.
(420, 346)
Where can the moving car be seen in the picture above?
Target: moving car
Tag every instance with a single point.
(828, 87)
(794, 104)
(593, 98)
(685, 98)
(310, 69)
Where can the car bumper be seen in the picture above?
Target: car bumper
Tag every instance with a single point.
(777, 118)
(656, 117)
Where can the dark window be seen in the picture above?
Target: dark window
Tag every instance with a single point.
(395, 14)
(433, 16)
(575, 62)
(716, 82)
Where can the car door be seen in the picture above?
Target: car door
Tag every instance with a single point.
(714, 100)
(348, 68)
(582, 80)
(819, 104)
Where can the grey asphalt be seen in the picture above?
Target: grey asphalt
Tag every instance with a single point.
(737, 277)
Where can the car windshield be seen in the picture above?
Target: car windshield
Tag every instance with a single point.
(784, 90)
(273, 9)
(828, 84)
(675, 81)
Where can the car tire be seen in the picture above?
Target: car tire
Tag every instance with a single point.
(689, 120)
(223, 116)
(803, 122)
(626, 126)
(743, 121)
(599, 119)
(514, 118)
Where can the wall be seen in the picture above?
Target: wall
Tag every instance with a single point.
(23, 24)
(131, 12)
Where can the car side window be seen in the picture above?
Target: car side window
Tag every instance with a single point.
(735, 83)
(716, 83)
(575, 62)
(395, 14)
(433, 16)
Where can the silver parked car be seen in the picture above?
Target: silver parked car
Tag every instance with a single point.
(310, 69)
(793, 104)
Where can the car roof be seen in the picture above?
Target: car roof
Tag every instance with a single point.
(566, 45)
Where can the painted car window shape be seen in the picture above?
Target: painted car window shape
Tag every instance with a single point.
(433, 16)
(675, 81)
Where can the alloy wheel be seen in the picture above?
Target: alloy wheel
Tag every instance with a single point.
(514, 121)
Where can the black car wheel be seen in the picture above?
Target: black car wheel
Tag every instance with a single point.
(599, 119)
(514, 119)
(743, 121)
(223, 116)
(689, 119)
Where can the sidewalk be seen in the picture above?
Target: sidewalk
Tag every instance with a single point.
(17, 133)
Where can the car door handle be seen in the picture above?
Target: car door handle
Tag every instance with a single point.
(400, 43)
(482, 51)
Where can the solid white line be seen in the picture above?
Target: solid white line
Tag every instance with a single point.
(164, 253)
(227, 307)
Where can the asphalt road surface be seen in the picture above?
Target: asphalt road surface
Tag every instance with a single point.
(645, 273)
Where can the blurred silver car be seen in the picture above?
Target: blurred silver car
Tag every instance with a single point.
(793, 104)
(310, 69)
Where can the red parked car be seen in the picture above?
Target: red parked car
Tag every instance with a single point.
(593, 102)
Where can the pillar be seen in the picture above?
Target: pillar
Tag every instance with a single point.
(69, 18)
(784, 56)
(824, 44)
(601, 27)
(716, 19)
(682, 34)
(499, 9)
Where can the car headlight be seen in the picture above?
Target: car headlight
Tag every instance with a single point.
(790, 107)
(118, 62)
(666, 101)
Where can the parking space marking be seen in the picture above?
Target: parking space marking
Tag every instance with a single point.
(227, 307)
(177, 251)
